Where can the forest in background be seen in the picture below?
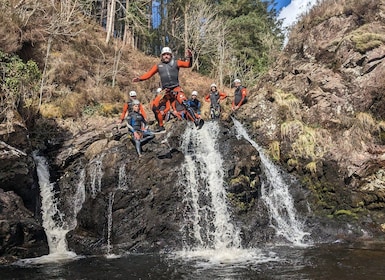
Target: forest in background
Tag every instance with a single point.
(72, 58)
(229, 38)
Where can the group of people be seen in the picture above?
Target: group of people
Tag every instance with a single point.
(170, 100)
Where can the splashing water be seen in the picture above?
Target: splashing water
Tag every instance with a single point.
(276, 195)
(55, 224)
(208, 231)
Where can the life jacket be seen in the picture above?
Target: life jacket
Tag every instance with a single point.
(214, 97)
(179, 107)
(135, 119)
(238, 95)
(169, 73)
(194, 104)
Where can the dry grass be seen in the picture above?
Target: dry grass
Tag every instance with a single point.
(291, 129)
(367, 38)
(366, 122)
(275, 150)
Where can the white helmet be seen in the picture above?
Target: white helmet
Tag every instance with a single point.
(132, 93)
(166, 50)
(135, 102)
(213, 85)
(158, 90)
(194, 93)
(237, 81)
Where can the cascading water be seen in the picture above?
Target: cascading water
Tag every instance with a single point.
(209, 220)
(96, 174)
(122, 185)
(276, 195)
(55, 223)
(208, 231)
(111, 198)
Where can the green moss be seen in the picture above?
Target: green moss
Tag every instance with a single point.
(364, 42)
(346, 213)
(240, 180)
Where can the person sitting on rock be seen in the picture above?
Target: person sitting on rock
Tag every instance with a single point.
(137, 125)
(127, 108)
(194, 102)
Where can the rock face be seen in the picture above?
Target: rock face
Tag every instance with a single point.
(322, 107)
(143, 197)
(21, 233)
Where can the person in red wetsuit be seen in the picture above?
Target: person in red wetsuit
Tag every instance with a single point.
(127, 107)
(168, 70)
(160, 105)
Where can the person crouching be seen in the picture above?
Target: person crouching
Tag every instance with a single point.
(137, 125)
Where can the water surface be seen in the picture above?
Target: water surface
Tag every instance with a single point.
(333, 261)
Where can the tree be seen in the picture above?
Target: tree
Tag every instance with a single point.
(254, 34)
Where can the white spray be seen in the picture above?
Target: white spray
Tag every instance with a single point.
(276, 195)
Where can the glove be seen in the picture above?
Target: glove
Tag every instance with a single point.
(135, 80)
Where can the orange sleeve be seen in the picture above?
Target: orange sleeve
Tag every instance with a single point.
(184, 64)
(207, 98)
(150, 73)
(156, 100)
(142, 111)
(222, 95)
(125, 109)
(244, 92)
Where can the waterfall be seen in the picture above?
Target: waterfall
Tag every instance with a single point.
(209, 237)
(208, 222)
(122, 185)
(276, 195)
(96, 174)
(55, 223)
(111, 198)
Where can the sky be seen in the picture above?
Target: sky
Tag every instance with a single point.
(292, 9)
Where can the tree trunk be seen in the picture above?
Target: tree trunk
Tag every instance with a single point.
(110, 19)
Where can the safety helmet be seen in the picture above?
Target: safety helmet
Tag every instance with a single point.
(213, 85)
(135, 102)
(166, 50)
(237, 81)
(158, 90)
(194, 93)
(132, 93)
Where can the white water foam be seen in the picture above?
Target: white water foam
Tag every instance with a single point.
(209, 235)
(55, 223)
(276, 195)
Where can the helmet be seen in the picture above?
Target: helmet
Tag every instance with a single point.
(158, 90)
(213, 85)
(237, 81)
(194, 93)
(166, 50)
(132, 93)
(135, 102)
